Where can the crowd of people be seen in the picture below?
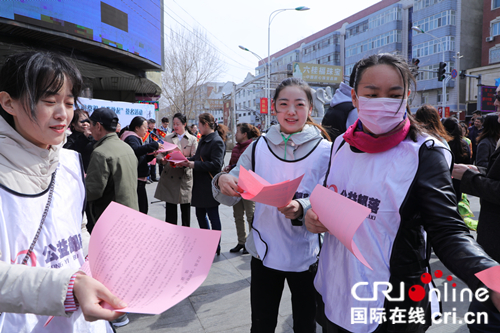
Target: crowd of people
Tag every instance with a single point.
(410, 170)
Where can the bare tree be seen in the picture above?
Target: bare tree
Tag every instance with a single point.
(190, 63)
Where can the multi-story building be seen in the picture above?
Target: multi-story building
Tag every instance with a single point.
(247, 100)
(490, 54)
(432, 31)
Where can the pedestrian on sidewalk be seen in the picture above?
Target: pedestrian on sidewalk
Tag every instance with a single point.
(176, 182)
(206, 163)
(245, 134)
(137, 130)
(43, 238)
(485, 184)
(387, 163)
(487, 140)
(281, 246)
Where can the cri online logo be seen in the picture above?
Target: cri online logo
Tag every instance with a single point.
(417, 292)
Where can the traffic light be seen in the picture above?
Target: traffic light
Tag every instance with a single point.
(441, 71)
(462, 74)
(414, 68)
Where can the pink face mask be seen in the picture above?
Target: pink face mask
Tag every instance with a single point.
(381, 115)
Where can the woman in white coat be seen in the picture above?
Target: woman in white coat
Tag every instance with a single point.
(43, 239)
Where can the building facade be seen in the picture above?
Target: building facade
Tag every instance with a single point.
(431, 31)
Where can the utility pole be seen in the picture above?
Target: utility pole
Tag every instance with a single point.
(233, 115)
(458, 57)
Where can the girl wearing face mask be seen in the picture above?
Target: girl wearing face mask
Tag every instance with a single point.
(280, 245)
(385, 162)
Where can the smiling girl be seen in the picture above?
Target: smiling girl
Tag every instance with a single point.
(280, 245)
(42, 197)
(385, 162)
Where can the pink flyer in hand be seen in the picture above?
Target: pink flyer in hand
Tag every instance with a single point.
(149, 264)
(491, 278)
(167, 146)
(259, 190)
(341, 216)
(177, 157)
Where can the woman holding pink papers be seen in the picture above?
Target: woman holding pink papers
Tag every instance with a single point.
(137, 130)
(176, 182)
(206, 162)
(388, 164)
(43, 239)
(281, 246)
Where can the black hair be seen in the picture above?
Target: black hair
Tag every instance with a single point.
(491, 128)
(398, 63)
(207, 118)
(76, 118)
(151, 121)
(138, 121)
(165, 120)
(293, 81)
(458, 147)
(182, 118)
(29, 77)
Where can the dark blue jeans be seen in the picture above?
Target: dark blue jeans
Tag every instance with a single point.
(213, 215)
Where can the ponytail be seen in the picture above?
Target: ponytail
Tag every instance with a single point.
(222, 130)
(250, 130)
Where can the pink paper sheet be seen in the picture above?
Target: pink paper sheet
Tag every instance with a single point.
(341, 216)
(167, 146)
(177, 157)
(259, 190)
(491, 278)
(149, 264)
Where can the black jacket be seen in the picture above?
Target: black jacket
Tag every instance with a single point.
(142, 151)
(487, 187)
(335, 119)
(77, 141)
(208, 162)
(432, 204)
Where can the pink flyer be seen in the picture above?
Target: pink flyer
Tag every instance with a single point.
(150, 264)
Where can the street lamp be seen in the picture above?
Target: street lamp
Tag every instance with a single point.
(255, 54)
(443, 43)
(271, 18)
(245, 49)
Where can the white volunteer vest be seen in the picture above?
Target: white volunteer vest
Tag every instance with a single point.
(381, 182)
(281, 245)
(59, 244)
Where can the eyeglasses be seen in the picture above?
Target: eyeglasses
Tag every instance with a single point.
(497, 97)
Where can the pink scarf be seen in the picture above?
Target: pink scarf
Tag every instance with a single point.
(370, 144)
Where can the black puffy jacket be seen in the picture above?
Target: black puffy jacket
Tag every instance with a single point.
(142, 151)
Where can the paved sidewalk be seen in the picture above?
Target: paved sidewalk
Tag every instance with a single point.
(222, 303)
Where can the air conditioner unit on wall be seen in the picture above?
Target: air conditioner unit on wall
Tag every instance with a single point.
(489, 39)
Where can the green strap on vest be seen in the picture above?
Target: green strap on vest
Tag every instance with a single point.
(286, 140)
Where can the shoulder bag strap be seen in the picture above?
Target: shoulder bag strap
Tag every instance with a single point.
(45, 211)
